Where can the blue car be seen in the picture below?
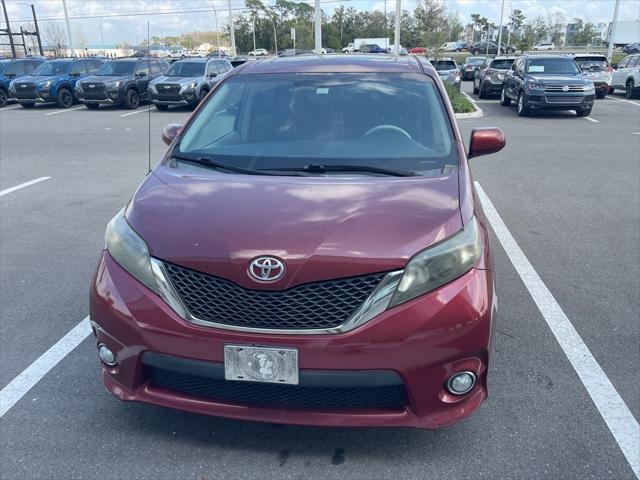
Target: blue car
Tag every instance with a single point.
(53, 82)
(12, 69)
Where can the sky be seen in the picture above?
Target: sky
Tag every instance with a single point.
(198, 14)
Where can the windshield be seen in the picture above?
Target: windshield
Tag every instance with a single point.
(474, 60)
(283, 121)
(592, 63)
(54, 67)
(552, 66)
(502, 64)
(117, 68)
(445, 65)
(3, 67)
(186, 69)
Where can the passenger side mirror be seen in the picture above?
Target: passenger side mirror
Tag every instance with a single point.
(212, 75)
(140, 74)
(169, 132)
(74, 74)
(486, 140)
(614, 65)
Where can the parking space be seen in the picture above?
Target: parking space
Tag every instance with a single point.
(566, 189)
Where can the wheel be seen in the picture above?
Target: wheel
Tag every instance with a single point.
(161, 107)
(504, 100)
(28, 105)
(629, 89)
(523, 109)
(601, 94)
(92, 106)
(476, 52)
(131, 99)
(583, 113)
(481, 92)
(65, 98)
(203, 94)
(4, 98)
(475, 89)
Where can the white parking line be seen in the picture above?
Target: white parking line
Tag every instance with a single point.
(614, 411)
(591, 119)
(137, 111)
(637, 104)
(19, 386)
(10, 108)
(23, 185)
(64, 110)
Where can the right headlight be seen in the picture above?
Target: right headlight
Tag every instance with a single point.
(152, 88)
(440, 264)
(129, 249)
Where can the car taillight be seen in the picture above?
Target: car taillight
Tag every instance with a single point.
(609, 69)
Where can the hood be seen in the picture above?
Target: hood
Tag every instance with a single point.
(37, 79)
(557, 79)
(103, 78)
(177, 80)
(321, 228)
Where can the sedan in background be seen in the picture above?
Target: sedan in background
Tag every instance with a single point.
(418, 50)
(372, 48)
(489, 78)
(187, 82)
(597, 69)
(632, 48)
(470, 66)
(484, 48)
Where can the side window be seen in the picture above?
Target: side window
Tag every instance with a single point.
(94, 65)
(211, 68)
(624, 62)
(227, 66)
(16, 68)
(163, 65)
(220, 68)
(520, 66)
(79, 66)
(142, 67)
(633, 62)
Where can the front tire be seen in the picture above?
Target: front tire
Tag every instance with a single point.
(28, 105)
(162, 108)
(203, 95)
(4, 98)
(629, 90)
(481, 93)
(475, 89)
(65, 98)
(131, 99)
(92, 106)
(583, 113)
(601, 94)
(476, 52)
(523, 109)
(504, 100)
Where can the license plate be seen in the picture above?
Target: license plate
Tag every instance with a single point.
(261, 364)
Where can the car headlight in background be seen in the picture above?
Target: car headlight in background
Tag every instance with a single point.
(152, 88)
(113, 85)
(191, 86)
(534, 85)
(129, 249)
(45, 84)
(588, 86)
(79, 88)
(440, 264)
(501, 76)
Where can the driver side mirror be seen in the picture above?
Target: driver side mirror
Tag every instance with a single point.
(486, 140)
(212, 75)
(74, 74)
(169, 132)
(140, 74)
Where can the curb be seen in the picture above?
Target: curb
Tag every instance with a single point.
(477, 114)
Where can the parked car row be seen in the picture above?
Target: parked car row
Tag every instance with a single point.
(124, 81)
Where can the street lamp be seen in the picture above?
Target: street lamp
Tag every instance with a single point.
(215, 16)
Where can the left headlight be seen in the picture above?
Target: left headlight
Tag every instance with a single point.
(152, 88)
(113, 85)
(589, 85)
(535, 85)
(46, 84)
(129, 250)
(440, 264)
(191, 86)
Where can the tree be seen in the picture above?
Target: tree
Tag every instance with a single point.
(539, 28)
(455, 26)
(556, 22)
(55, 38)
(584, 32)
(516, 20)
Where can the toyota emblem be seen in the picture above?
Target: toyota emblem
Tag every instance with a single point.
(565, 88)
(266, 269)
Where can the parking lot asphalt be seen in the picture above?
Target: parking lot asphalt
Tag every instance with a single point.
(567, 189)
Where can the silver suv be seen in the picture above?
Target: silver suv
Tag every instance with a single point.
(597, 69)
(187, 81)
(489, 78)
(627, 76)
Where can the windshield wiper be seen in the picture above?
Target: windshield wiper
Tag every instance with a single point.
(319, 168)
(211, 163)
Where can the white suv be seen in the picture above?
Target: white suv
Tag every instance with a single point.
(627, 76)
(544, 46)
(258, 52)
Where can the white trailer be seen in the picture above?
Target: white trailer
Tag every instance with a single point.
(625, 33)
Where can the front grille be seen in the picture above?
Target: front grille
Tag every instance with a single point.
(274, 395)
(310, 306)
(94, 91)
(27, 90)
(558, 88)
(565, 99)
(168, 91)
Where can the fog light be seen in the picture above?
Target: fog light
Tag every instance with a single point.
(106, 355)
(461, 382)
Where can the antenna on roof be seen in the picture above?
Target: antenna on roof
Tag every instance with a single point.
(148, 96)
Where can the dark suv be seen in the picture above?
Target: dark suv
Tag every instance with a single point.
(489, 78)
(123, 82)
(12, 69)
(53, 82)
(539, 82)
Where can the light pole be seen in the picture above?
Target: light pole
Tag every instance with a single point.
(66, 19)
(215, 16)
(612, 30)
(500, 32)
(396, 36)
(233, 35)
(318, 28)
(254, 32)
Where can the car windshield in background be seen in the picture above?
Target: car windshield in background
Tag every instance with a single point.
(3, 67)
(445, 65)
(502, 64)
(186, 69)
(552, 66)
(593, 64)
(117, 68)
(55, 67)
(474, 60)
(289, 121)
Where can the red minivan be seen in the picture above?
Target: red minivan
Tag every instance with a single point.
(310, 250)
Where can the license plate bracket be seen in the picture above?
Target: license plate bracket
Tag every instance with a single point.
(261, 364)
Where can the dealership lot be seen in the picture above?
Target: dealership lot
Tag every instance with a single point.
(566, 189)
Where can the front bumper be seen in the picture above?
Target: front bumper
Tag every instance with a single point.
(560, 101)
(421, 342)
(185, 97)
(42, 95)
(103, 96)
(492, 85)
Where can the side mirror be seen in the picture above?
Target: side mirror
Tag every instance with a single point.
(74, 74)
(486, 140)
(614, 65)
(169, 132)
(140, 74)
(212, 75)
